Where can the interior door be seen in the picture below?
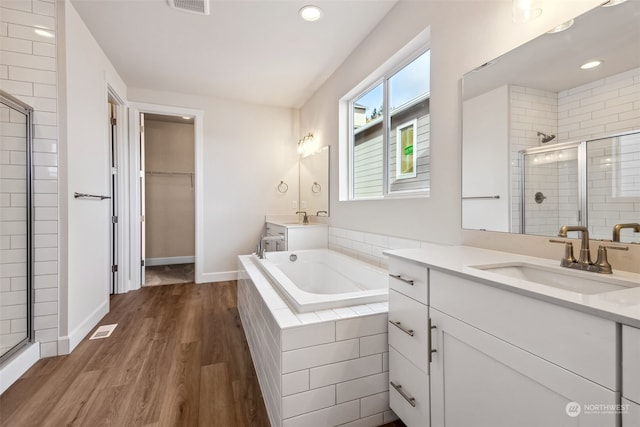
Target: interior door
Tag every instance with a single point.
(142, 202)
(114, 198)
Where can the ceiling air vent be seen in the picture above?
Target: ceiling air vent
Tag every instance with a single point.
(194, 6)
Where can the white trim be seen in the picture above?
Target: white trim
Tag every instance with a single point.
(134, 153)
(221, 276)
(148, 262)
(15, 367)
(67, 343)
(419, 45)
(122, 160)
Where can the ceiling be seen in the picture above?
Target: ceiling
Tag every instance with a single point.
(552, 61)
(254, 51)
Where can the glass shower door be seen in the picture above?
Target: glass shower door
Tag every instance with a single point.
(613, 182)
(15, 225)
(551, 189)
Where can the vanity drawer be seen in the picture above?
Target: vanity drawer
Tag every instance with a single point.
(408, 329)
(408, 391)
(409, 278)
(558, 334)
(631, 363)
(277, 245)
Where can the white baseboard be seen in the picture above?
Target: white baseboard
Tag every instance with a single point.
(222, 276)
(150, 262)
(67, 343)
(18, 365)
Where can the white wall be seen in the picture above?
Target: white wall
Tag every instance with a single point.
(464, 34)
(84, 75)
(248, 149)
(485, 160)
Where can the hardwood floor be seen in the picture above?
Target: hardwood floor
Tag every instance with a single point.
(178, 357)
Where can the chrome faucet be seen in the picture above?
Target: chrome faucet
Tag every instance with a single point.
(618, 227)
(305, 218)
(262, 245)
(584, 261)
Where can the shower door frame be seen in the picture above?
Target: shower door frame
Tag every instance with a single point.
(582, 179)
(27, 110)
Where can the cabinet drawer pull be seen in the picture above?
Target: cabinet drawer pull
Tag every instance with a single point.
(402, 328)
(398, 387)
(402, 279)
(430, 348)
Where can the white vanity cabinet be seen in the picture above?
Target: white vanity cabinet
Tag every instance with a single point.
(630, 376)
(504, 359)
(296, 236)
(409, 341)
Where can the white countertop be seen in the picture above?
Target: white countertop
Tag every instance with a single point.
(622, 306)
(296, 224)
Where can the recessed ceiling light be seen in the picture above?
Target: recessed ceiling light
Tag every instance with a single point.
(591, 64)
(310, 13)
(186, 117)
(613, 3)
(43, 33)
(561, 27)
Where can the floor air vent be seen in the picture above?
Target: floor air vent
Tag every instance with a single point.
(194, 6)
(103, 331)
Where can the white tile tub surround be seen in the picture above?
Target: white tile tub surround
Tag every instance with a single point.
(368, 247)
(323, 368)
(28, 71)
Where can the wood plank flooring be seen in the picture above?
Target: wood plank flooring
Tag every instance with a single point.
(177, 358)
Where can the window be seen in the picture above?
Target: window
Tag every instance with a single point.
(389, 133)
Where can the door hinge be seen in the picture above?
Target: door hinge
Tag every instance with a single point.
(114, 219)
(114, 268)
(113, 121)
(141, 129)
(142, 263)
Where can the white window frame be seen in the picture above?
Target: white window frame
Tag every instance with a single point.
(399, 151)
(410, 52)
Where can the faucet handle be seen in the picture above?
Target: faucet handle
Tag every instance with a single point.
(568, 257)
(602, 262)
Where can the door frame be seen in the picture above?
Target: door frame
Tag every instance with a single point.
(122, 247)
(135, 192)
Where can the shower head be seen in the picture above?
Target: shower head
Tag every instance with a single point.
(545, 138)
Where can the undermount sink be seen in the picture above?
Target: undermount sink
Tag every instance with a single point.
(576, 281)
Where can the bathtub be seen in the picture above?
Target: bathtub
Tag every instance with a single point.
(321, 279)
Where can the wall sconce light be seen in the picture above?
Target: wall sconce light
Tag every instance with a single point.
(307, 145)
(525, 10)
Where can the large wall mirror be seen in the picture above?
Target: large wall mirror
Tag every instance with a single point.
(551, 130)
(314, 182)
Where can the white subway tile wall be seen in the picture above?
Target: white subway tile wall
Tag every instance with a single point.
(331, 372)
(367, 247)
(591, 111)
(614, 186)
(532, 111)
(28, 72)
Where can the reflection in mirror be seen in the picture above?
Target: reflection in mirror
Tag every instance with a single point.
(547, 143)
(15, 233)
(314, 182)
